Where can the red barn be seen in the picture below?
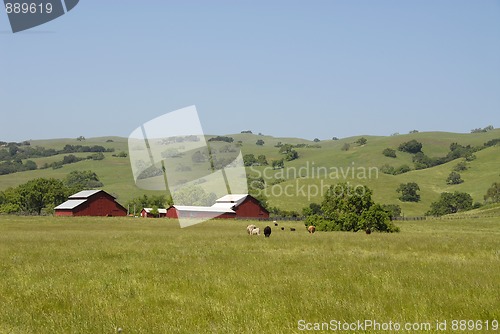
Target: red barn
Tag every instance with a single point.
(146, 213)
(229, 206)
(91, 203)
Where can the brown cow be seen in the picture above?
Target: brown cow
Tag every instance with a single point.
(311, 229)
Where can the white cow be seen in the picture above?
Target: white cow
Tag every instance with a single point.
(250, 229)
(256, 231)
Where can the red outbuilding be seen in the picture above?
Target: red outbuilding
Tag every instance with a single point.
(91, 203)
(147, 213)
(229, 206)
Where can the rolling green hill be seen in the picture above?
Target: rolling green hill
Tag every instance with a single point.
(304, 179)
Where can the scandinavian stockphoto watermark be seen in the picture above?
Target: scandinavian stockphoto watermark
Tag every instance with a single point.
(170, 153)
(27, 14)
(311, 181)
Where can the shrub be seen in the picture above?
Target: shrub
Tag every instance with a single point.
(389, 152)
(393, 210)
(345, 147)
(361, 141)
(411, 146)
(409, 192)
(222, 138)
(402, 169)
(493, 193)
(454, 178)
(461, 166)
(249, 160)
(387, 169)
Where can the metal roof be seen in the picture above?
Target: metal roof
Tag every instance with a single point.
(232, 198)
(148, 210)
(84, 194)
(70, 204)
(203, 209)
(225, 206)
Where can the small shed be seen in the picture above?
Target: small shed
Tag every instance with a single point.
(146, 213)
(91, 203)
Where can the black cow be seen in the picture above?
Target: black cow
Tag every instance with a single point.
(267, 231)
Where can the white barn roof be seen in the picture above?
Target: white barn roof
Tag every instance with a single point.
(70, 204)
(148, 210)
(224, 206)
(203, 209)
(232, 198)
(84, 194)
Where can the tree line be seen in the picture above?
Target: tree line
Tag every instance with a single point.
(13, 154)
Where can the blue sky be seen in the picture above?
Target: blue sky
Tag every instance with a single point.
(285, 68)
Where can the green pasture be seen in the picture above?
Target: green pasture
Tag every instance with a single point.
(96, 275)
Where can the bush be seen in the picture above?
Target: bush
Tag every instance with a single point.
(461, 166)
(122, 154)
(393, 210)
(96, 156)
(493, 193)
(454, 178)
(389, 152)
(409, 192)
(387, 169)
(222, 138)
(278, 164)
(81, 180)
(261, 160)
(361, 141)
(312, 209)
(198, 157)
(492, 142)
(402, 169)
(411, 146)
(345, 147)
(249, 160)
(292, 155)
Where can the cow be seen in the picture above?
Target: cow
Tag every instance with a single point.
(275, 223)
(250, 228)
(368, 231)
(292, 229)
(267, 231)
(256, 231)
(282, 228)
(311, 229)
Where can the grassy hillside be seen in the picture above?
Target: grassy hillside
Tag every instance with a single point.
(301, 180)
